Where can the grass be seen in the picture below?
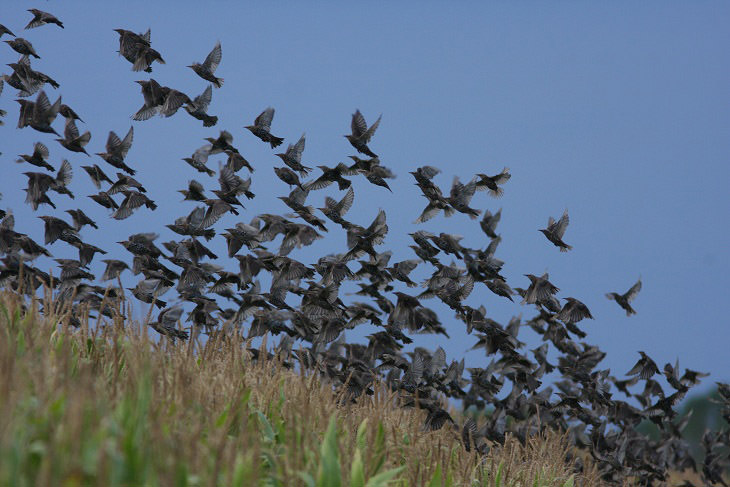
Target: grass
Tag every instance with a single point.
(110, 406)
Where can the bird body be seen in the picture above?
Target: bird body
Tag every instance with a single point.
(555, 231)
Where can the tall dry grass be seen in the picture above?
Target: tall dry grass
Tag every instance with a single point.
(110, 406)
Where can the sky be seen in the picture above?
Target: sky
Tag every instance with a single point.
(619, 113)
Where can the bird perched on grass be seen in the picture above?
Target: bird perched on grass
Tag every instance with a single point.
(261, 128)
(42, 18)
(207, 69)
(625, 299)
(361, 133)
(555, 231)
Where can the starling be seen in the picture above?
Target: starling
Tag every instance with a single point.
(38, 158)
(493, 183)
(645, 367)
(288, 176)
(361, 134)
(104, 199)
(54, 227)
(624, 300)
(166, 321)
(293, 157)
(114, 268)
(489, 223)
(262, 126)
(207, 69)
(23, 47)
(96, 175)
(154, 98)
(237, 162)
(555, 231)
(4, 30)
(198, 108)
(540, 289)
(72, 140)
(132, 201)
(125, 182)
(40, 114)
(573, 311)
(68, 112)
(173, 100)
(329, 176)
(116, 151)
(194, 191)
(80, 219)
(42, 18)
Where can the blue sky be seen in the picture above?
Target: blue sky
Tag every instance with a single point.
(618, 113)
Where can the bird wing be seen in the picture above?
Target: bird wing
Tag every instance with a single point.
(203, 100)
(631, 293)
(265, 118)
(358, 125)
(346, 202)
(65, 173)
(213, 59)
(70, 131)
(41, 150)
(371, 131)
(562, 224)
(124, 145)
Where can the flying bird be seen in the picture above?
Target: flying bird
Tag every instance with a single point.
(207, 69)
(624, 300)
(361, 133)
(261, 128)
(555, 231)
(42, 18)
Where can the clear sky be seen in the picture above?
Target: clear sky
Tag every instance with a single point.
(619, 113)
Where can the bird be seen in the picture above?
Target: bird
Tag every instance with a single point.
(23, 47)
(4, 30)
(573, 311)
(207, 69)
(261, 128)
(624, 300)
(644, 368)
(361, 133)
(96, 175)
(493, 183)
(555, 231)
(72, 140)
(40, 114)
(38, 158)
(293, 157)
(116, 151)
(42, 18)
(198, 108)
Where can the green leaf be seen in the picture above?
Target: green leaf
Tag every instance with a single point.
(328, 474)
(266, 428)
(569, 482)
(382, 479)
(362, 431)
(436, 478)
(378, 449)
(357, 471)
(498, 476)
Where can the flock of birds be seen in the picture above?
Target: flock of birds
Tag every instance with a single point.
(303, 304)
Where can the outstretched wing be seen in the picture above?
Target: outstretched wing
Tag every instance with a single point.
(213, 59)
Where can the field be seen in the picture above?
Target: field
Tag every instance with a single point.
(112, 407)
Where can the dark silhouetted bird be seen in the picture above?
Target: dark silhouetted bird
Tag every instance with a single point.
(361, 133)
(493, 183)
(116, 151)
(645, 367)
(72, 140)
(330, 175)
(4, 30)
(624, 300)
(206, 70)
(198, 108)
(38, 158)
(80, 219)
(261, 128)
(288, 176)
(555, 231)
(96, 175)
(293, 157)
(573, 311)
(42, 18)
(40, 114)
(21, 46)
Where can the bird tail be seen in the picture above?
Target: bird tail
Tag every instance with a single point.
(275, 141)
(218, 82)
(566, 248)
(210, 121)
